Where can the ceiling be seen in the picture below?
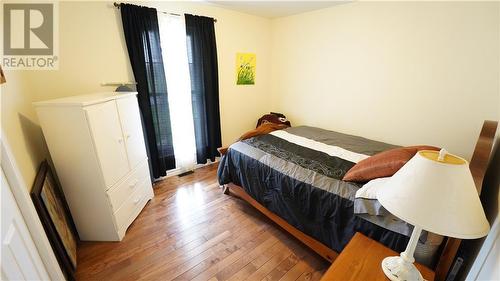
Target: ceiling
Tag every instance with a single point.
(275, 9)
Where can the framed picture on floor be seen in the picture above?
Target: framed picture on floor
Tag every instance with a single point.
(52, 209)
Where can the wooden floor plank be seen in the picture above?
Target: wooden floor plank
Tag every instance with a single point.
(259, 261)
(229, 245)
(191, 231)
(263, 239)
(209, 268)
(282, 268)
(296, 271)
(256, 252)
(270, 265)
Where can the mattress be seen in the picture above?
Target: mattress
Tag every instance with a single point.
(297, 174)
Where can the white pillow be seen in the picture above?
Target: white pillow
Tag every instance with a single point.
(370, 189)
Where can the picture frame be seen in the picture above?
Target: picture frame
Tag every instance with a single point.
(56, 219)
(2, 76)
(246, 65)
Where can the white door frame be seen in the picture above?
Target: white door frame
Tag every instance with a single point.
(20, 190)
(20, 258)
(486, 253)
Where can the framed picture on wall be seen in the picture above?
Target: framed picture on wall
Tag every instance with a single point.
(246, 64)
(52, 209)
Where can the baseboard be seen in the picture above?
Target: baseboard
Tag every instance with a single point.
(179, 171)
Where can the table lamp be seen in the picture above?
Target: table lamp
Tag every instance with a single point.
(433, 191)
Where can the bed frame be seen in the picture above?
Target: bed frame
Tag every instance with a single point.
(478, 165)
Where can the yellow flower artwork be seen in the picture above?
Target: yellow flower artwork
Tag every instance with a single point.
(245, 68)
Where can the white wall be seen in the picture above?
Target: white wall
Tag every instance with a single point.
(400, 72)
(93, 50)
(405, 73)
(17, 117)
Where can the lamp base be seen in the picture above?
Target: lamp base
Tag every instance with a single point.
(397, 269)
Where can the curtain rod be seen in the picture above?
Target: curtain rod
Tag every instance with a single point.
(117, 5)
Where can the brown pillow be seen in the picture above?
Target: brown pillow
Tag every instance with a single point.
(383, 164)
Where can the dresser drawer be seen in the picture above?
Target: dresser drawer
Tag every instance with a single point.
(119, 193)
(133, 204)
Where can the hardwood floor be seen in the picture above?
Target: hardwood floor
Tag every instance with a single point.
(191, 231)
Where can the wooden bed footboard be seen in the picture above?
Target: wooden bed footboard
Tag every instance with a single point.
(478, 165)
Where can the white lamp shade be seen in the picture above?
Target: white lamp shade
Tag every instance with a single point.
(438, 196)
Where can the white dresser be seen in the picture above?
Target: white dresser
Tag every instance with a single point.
(97, 146)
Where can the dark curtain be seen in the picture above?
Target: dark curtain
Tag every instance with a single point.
(140, 25)
(202, 55)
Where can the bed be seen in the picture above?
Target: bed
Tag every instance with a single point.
(294, 177)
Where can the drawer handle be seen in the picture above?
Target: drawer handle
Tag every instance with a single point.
(120, 140)
(136, 200)
(127, 136)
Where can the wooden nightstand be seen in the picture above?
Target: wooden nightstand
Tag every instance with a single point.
(360, 260)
